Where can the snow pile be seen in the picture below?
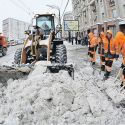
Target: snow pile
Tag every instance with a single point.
(57, 99)
(42, 99)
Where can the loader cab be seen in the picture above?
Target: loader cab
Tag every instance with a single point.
(45, 22)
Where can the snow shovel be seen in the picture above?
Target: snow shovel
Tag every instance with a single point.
(122, 88)
(118, 75)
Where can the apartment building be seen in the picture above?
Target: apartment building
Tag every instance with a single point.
(98, 15)
(14, 29)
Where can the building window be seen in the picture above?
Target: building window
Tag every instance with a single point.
(124, 8)
(84, 13)
(114, 13)
(101, 2)
(103, 16)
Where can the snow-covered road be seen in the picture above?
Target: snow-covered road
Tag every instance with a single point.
(57, 99)
(9, 58)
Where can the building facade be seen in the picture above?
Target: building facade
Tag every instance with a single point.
(14, 29)
(99, 15)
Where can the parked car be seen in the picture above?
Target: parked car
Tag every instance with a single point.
(19, 42)
(13, 42)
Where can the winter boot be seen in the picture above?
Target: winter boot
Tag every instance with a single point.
(103, 67)
(93, 63)
(121, 84)
(106, 75)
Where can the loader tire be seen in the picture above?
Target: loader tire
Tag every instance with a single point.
(17, 56)
(61, 54)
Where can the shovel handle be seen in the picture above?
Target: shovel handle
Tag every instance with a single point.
(118, 75)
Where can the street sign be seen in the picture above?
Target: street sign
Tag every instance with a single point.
(71, 25)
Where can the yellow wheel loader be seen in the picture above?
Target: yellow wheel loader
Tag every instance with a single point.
(41, 44)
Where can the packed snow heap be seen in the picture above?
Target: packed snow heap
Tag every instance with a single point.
(56, 99)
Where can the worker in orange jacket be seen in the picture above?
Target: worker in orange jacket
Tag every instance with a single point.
(92, 47)
(120, 42)
(89, 38)
(110, 53)
(101, 39)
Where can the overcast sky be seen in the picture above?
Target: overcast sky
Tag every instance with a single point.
(19, 9)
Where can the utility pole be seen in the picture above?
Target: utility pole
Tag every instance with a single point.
(105, 8)
(118, 15)
(117, 8)
(59, 13)
(9, 29)
(106, 14)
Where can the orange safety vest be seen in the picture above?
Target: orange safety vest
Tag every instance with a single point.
(100, 40)
(93, 40)
(101, 43)
(123, 51)
(119, 41)
(109, 46)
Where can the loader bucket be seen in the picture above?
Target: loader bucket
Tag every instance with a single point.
(56, 68)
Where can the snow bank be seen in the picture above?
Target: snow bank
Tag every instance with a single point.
(42, 99)
(56, 99)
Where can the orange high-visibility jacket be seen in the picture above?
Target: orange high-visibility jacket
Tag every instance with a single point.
(101, 44)
(93, 40)
(112, 48)
(123, 49)
(119, 41)
(103, 36)
(100, 40)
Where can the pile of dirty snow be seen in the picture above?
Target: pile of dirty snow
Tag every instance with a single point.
(56, 99)
(42, 99)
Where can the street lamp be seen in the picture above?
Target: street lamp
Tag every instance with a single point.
(57, 8)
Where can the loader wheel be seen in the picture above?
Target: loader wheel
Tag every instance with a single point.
(17, 56)
(61, 54)
(4, 51)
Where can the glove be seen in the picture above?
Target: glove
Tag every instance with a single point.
(122, 66)
(117, 56)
